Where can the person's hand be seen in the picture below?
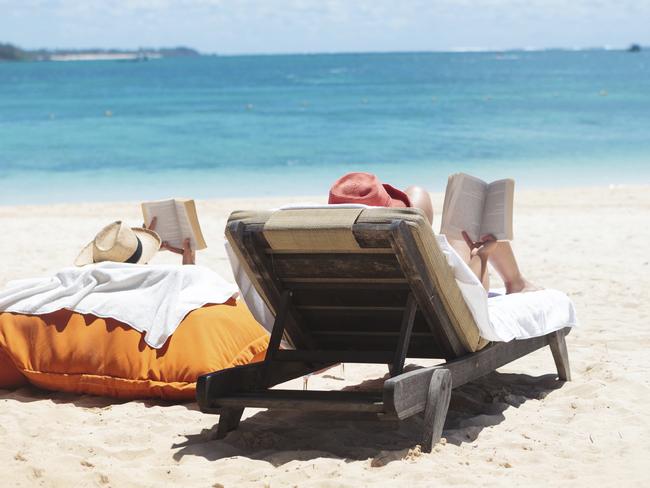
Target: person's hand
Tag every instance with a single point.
(189, 256)
(482, 249)
(187, 252)
(152, 224)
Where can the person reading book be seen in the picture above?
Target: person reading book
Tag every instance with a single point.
(188, 254)
(177, 223)
(119, 243)
(171, 225)
(477, 219)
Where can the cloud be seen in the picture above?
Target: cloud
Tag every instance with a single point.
(326, 25)
(365, 11)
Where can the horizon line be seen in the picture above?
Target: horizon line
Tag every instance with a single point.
(459, 49)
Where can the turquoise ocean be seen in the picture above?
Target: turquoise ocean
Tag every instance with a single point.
(213, 126)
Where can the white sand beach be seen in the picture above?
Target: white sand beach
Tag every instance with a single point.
(516, 427)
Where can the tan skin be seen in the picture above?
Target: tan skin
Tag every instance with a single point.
(478, 253)
(189, 256)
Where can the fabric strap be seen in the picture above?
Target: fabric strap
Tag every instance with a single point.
(312, 229)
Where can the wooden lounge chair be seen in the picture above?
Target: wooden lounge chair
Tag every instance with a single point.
(358, 286)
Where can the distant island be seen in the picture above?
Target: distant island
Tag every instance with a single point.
(9, 52)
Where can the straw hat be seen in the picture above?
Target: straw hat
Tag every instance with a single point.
(119, 243)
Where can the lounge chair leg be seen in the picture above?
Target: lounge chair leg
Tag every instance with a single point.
(557, 343)
(228, 420)
(436, 408)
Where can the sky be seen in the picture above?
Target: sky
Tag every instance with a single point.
(302, 26)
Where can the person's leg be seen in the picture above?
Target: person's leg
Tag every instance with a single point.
(502, 258)
(421, 199)
(477, 261)
(478, 264)
(498, 254)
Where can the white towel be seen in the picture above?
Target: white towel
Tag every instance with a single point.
(470, 286)
(530, 314)
(152, 299)
(507, 317)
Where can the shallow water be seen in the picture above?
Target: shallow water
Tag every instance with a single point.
(271, 125)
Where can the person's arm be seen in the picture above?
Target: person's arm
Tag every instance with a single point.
(501, 256)
(189, 256)
(481, 249)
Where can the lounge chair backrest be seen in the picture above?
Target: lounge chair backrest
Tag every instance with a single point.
(349, 273)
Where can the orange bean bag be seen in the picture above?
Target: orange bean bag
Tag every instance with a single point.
(77, 353)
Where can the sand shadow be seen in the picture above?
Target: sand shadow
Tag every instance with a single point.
(31, 393)
(279, 436)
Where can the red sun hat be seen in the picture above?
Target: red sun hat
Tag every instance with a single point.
(365, 188)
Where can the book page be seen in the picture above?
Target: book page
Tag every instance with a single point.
(463, 210)
(497, 212)
(167, 225)
(189, 224)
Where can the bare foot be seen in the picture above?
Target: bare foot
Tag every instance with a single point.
(522, 285)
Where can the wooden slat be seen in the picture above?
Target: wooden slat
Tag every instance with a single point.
(370, 250)
(366, 333)
(423, 288)
(246, 378)
(370, 286)
(405, 395)
(353, 295)
(334, 356)
(359, 319)
(372, 235)
(352, 320)
(349, 318)
(422, 347)
(404, 337)
(350, 265)
(250, 245)
(349, 309)
(365, 330)
(306, 400)
(276, 337)
(235, 231)
(345, 281)
(350, 315)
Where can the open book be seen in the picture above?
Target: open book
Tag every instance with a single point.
(177, 220)
(477, 207)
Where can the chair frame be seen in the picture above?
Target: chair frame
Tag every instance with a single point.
(424, 391)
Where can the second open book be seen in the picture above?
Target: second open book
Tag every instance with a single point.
(477, 207)
(176, 220)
